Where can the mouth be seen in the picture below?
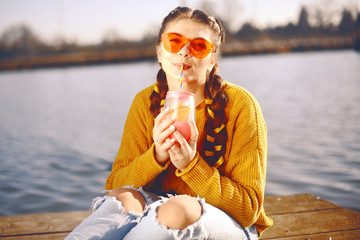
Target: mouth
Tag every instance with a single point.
(185, 66)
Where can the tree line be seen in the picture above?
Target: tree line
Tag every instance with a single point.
(347, 26)
(21, 41)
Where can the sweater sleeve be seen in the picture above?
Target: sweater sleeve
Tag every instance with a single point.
(135, 164)
(238, 191)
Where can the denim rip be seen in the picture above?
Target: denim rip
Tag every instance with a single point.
(150, 226)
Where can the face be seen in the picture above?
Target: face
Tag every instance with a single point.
(195, 69)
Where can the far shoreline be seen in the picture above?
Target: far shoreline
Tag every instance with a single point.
(231, 48)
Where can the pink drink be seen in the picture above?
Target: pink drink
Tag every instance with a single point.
(184, 128)
(182, 108)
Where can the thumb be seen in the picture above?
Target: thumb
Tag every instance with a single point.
(193, 134)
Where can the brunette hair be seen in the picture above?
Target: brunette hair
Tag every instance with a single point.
(216, 98)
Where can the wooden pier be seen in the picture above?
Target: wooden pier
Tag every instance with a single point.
(296, 217)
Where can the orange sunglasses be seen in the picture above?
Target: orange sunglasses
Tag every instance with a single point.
(199, 47)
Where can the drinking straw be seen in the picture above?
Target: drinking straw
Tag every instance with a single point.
(181, 76)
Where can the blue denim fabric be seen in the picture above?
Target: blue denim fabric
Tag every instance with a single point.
(109, 222)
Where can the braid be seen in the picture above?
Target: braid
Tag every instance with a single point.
(215, 125)
(216, 98)
(158, 95)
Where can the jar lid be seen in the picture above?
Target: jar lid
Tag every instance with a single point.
(179, 94)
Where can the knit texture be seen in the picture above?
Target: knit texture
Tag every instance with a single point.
(236, 187)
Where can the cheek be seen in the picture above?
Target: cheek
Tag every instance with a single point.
(167, 65)
(164, 58)
(202, 67)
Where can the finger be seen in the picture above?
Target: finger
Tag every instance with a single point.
(165, 124)
(168, 143)
(165, 134)
(176, 150)
(180, 138)
(172, 154)
(162, 115)
(193, 132)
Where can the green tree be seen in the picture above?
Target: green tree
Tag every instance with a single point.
(347, 23)
(248, 31)
(21, 39)
(357, 38)
(303, 22)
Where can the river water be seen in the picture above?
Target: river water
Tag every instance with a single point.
(60, 128)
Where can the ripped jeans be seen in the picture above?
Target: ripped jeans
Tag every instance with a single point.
(110, 222)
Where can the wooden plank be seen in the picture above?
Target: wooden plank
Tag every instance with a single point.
(295, 203)
(315, 222)
(41, 223)
(342, 235)
(295, 217)
(52, 236)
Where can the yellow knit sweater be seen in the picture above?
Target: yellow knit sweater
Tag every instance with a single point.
(236, 187)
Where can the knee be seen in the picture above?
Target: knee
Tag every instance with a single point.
(179, 212)
(130, 199)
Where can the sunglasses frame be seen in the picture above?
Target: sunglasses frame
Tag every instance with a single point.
(193, 51)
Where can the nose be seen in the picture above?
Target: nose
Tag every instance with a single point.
(185, 51)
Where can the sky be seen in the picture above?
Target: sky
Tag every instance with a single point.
(88, 21)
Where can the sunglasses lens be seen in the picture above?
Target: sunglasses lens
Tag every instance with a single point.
(174, 42)
(199, 45)
(200, 48)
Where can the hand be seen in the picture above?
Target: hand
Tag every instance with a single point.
(183, 152)
(161, 132)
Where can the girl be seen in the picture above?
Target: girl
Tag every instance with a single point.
(210, 187)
